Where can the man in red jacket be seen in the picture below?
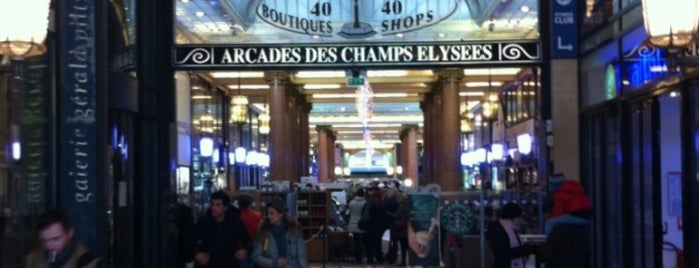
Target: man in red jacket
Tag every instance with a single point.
(251, 220)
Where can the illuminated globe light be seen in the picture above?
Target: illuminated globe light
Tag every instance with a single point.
(263, 160)
(524, 143)
(497, 151)
(464, 159)
(251, 158)
(206, 146)
(389, 171)
(240, 154)
(16, 151)
(216, 156)
(480, 155)
(408, 182)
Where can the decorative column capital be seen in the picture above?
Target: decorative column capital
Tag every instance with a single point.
(448, 75)
(279, 76)
(407, 128)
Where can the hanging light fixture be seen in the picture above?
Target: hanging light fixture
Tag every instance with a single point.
(239, 107)
(263, 121)
(23, 27)
(467, 122)
(206, 122)
(489, 106)
(671, 23)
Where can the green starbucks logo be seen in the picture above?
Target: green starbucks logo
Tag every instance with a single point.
(457, 218)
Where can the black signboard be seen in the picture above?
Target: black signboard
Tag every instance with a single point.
(351, 55)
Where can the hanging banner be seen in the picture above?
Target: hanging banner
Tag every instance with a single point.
(423, 230)
(78, 128)
(348, 55)
(34, 137)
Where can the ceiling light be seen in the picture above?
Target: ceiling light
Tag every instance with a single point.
(524, 9)
(237, 74)
(483, 84)
(496, 71)
(322, 86)
(201, 97)
(387, 73)
(320, 74)
(472, 94)
(258, 86)
(199, 13)
(354, 119)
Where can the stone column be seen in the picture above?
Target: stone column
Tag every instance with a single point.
(278, 103)
(326, 153)
(449, 148)
(291, 136)
(408, 155)
(303, 160)
(427, 129)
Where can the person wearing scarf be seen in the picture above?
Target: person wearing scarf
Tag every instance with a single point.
(508, 251)
(279, 242)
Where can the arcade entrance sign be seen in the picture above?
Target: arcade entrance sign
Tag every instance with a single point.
(351, 55)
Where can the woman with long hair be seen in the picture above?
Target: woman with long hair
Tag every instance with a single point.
(279, 241)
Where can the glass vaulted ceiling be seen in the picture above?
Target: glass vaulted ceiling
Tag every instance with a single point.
(281, 21)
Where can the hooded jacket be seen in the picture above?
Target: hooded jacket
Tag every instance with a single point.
(570, 197)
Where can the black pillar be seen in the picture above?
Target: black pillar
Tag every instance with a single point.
(155, 132)
(690, 184)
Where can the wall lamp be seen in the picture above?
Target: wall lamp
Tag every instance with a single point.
(673, 25)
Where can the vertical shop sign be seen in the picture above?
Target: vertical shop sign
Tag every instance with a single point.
(564, 30)
(77, 94)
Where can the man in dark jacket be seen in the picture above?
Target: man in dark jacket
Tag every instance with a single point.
(220, 234)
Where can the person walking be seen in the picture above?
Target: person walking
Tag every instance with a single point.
(221, 237)
(507, 248)
(356, 207)
(567, 225)
(279, 242)
(378, 224)
(59, 248)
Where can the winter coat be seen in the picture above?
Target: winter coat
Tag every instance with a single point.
(222, 239)
(503, 254)
(355, 211)
(71, 259)
(265, 253)
(569, 197)
(567, 246)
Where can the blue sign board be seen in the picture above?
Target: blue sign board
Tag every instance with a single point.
(564, 30)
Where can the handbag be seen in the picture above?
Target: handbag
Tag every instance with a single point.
(364, 219)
